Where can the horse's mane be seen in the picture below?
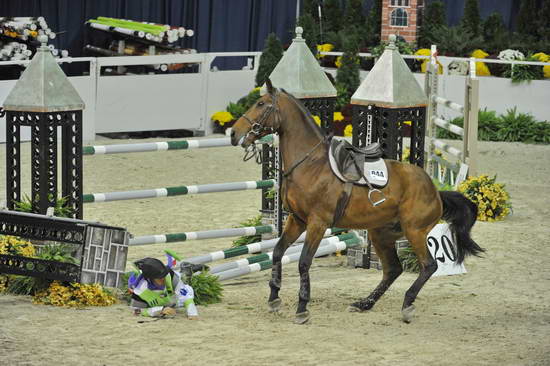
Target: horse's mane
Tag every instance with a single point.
(306, 115)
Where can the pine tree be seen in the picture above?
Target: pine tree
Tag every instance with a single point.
(434, 17)
(348, 74)
(271, 54)
(526, 24)
(471, 20)
(374, 24)
(544, 21)
(310, 7)
(332, 16)
(311, 31)
(493, 26)
(353, 16)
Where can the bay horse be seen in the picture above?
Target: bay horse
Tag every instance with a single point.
(310, 191)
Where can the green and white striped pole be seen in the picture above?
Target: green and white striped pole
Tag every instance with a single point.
(177, 191)
(200, 235)
(247, 249)
(165, 146)
(267, 264)
(241, 263)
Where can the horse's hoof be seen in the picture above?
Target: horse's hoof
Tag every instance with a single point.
(360, 306)
(355, 309)
(302, 318)
(274, 305)
(408, 313)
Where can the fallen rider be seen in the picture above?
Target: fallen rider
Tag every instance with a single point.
(157, 290)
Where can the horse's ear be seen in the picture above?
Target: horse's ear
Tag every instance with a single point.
(270, 88)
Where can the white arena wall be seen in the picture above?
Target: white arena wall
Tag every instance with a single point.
(131, 103)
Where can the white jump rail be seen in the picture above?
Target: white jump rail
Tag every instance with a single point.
(468, 155)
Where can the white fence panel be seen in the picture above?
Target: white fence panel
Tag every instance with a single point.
(150, 102)
(231, 85)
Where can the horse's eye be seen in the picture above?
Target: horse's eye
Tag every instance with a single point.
(260, 104)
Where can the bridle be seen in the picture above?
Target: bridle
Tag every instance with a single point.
(257, 128)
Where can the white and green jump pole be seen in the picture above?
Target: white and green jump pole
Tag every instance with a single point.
(200, 235)
(177, 191)
(261, 246)
(165, 146)
(241, 263)
(267, 264)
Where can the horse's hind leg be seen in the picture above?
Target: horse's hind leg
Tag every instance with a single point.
(293, 229)
(383, 240)
(417, 239)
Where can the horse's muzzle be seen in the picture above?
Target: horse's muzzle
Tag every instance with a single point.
(237, 140)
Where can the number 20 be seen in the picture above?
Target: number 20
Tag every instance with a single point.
(447, 246)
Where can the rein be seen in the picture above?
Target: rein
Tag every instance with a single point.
(306, 156)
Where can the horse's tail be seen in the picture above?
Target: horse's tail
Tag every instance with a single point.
(461, 214)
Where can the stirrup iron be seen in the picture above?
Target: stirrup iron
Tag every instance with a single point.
(379, 201)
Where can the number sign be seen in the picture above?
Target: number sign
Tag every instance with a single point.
(442, 247)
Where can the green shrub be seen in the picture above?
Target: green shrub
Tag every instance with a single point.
(511, 127)
(520, 73)
(244, 240)
(408, 259)
(522, 127)
(207, 288)
(60, 209)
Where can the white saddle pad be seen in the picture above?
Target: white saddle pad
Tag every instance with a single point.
(376, 172)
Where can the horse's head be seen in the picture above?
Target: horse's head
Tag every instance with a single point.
(260, 120)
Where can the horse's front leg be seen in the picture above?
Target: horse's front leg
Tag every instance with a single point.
(293, 229)
(315, 231)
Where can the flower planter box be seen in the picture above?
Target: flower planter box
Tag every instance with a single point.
(221, 129)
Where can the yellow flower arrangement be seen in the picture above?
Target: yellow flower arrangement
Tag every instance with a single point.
(338, 61)
(222, 117)
(338, 116)
(481, 68)
(492, 200)
(348, 131)
(325, 47)
(425, 61)
(317, 120)
(74, 295)
(14, 245)
(543, 57)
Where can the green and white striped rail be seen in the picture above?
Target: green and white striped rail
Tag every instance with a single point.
(177, 191)
(200, 235)
(241, 263)
(166, 145)
(267, 264)
(247, 249)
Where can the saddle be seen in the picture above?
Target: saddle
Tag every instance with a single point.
(350, 160)
(357, 166)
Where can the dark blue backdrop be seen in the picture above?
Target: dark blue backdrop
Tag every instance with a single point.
(220, 25)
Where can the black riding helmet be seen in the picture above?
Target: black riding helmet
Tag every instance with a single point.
(152, 268)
